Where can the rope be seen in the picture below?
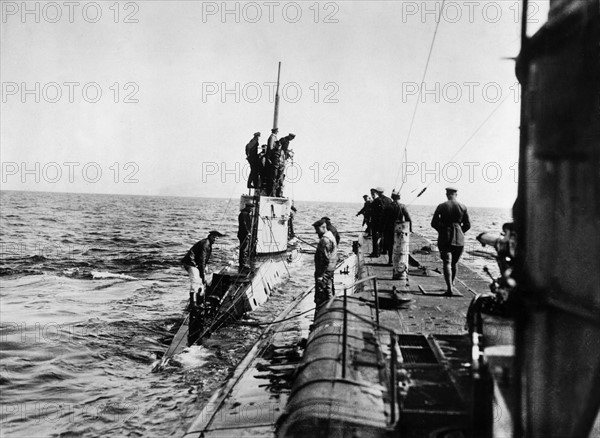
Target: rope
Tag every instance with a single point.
(465, 143)
(304, 241)
(414, 114)
(258, 324)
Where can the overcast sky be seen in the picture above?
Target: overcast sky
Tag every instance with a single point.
(160, 98)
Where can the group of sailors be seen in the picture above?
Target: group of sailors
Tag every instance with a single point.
(388, 222)
(267, 163)
(385, 219)
(381, 215)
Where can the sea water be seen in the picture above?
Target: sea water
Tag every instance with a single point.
(92, 289)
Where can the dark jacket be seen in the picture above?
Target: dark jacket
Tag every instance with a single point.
(377, 208)
(198, 255)
(366, 210)
(285, 146)
(274, 156)
(244, 225)
(334, 231)
(393, 213)
(252, 150)
(451, 221)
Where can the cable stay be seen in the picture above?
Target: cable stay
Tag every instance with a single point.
(414, 114)
(481, 125)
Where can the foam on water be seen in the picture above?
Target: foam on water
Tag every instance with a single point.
(193, 357)
(100, 275)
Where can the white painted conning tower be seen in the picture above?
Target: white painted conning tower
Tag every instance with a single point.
(272, 227)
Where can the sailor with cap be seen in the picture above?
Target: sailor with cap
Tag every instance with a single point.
(331, 228)
(245, 235)
(380, 202)
(272, 139)
(196, 259)
(451, 220)
(252, 155)
(325, 262)
(284, 154)
(394, 214)
(272, 167)
(285, 145)
(366, 212)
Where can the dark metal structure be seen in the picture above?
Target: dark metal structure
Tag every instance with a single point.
(557, 215)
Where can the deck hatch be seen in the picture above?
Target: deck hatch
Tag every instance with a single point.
(416, 349)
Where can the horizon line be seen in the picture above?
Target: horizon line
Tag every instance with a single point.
(219, 197)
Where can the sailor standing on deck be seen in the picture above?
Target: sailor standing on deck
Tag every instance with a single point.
(245, 235)
(380, 202)
(451, 221)
(262, 168)
(272, 165)
(333, 229)
(196, 259)
(291, 233)
(272, 139)
(366, 212)
(394, 214)
(285, 146)
(325, 262)
(252, 156)
(286, 154)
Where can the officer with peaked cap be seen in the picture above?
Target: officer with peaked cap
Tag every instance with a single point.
(196, 259)
(451, 221)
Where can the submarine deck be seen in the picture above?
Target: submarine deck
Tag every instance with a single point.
(284, 389)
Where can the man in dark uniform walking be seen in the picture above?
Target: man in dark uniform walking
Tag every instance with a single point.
(245, 235)
(196, 259)
(451, 221)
